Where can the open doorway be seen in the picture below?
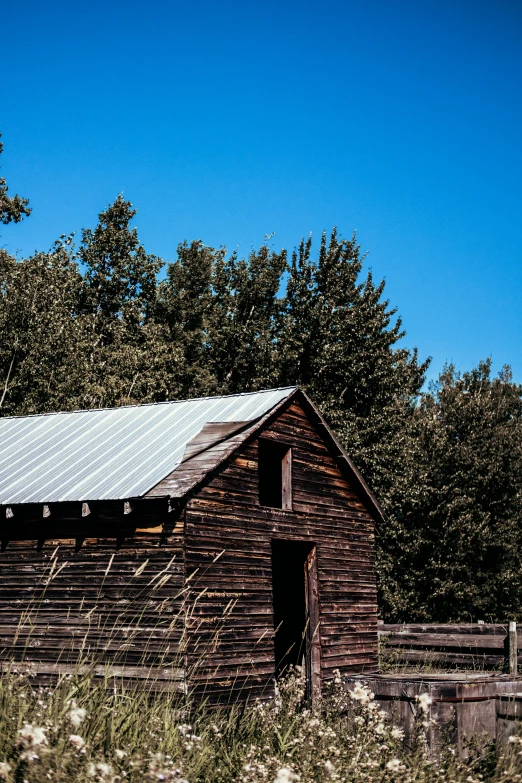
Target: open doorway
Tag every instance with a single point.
(296, 613)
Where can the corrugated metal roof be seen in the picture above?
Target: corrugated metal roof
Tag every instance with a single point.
(110, 454)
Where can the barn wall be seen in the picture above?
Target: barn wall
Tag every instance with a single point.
(63, 599)
(231, 628)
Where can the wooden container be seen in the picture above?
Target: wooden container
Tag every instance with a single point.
(462, 704)
(509, 716)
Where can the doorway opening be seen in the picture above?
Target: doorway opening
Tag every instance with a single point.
(296, 611)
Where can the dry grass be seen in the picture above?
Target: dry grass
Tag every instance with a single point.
(90, 725)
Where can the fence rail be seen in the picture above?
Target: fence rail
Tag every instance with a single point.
(474, 645)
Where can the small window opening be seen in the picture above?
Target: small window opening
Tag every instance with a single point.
(275, 474)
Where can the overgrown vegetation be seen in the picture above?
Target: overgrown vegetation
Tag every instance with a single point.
(78, 730)
(96, 324)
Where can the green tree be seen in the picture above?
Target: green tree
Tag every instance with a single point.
(185, 303)
(338, 339)
(42, 340)
(243, 350)
(223, 311)
(12, 208)
(130, 359)
(452, 550)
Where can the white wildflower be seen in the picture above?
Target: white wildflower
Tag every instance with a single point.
(76, 714)
(397, 734)
(361, 693)
(5, 769)
(286, 775)
(32, 736)
(120, 754)
(77, 741)
(424, 701)
(101, 770)
(394, 765)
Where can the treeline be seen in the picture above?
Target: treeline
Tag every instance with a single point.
(95, 324)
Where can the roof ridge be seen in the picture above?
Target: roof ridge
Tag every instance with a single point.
(149, 404)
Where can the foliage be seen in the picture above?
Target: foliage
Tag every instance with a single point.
(452, 549)
(338, 340)
(42, 346)
(80, 730)
(96, 325)
(12, 208)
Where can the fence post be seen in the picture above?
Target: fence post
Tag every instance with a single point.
(513, 648)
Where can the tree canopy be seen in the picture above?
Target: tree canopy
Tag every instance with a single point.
(105, 323)
(12, 208)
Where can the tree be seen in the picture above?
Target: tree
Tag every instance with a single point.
(185, 303)
(338, 339)
(42, 340)
(12, 208)
(223, 311)
(243, 349)
(130, 359)
(453, 548)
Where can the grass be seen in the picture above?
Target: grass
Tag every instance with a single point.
(87, 725)
(80, 729)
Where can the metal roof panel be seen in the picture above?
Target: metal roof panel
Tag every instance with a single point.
(114, 453)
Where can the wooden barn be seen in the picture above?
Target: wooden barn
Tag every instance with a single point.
(201, 544)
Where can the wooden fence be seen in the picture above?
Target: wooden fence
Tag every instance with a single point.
(473, 646)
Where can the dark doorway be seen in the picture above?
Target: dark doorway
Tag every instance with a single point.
(294, 585)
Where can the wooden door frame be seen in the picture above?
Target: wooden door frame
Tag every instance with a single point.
(313, 646)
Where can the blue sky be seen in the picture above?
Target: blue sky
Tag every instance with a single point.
(227, 121)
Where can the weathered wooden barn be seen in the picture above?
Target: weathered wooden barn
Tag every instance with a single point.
(204, 543)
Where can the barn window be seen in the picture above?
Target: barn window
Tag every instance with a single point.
(275, 474)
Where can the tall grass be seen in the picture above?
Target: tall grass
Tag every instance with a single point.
(87, 722)
(80, 729)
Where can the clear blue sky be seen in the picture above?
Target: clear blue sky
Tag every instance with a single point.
(226, 121)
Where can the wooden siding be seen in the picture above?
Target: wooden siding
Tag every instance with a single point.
(69, 599)
(228, 556)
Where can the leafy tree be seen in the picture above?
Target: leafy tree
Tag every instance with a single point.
(130, 359)
(41, 340)
(12, 208)
(453, 548)
(338, 340)
(120, 276)
(223, 311)
(185, 302)
(243, 350)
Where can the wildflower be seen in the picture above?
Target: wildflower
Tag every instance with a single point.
(394, 765)
(424, 701)
(77, 741)
(5, 769)
(120, 754)
(397, 734)
(32, 736)
(100, 769)
(76, 715)
(361, 693)
(286, 775)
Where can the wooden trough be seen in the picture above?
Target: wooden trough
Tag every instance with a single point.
(463, 704)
